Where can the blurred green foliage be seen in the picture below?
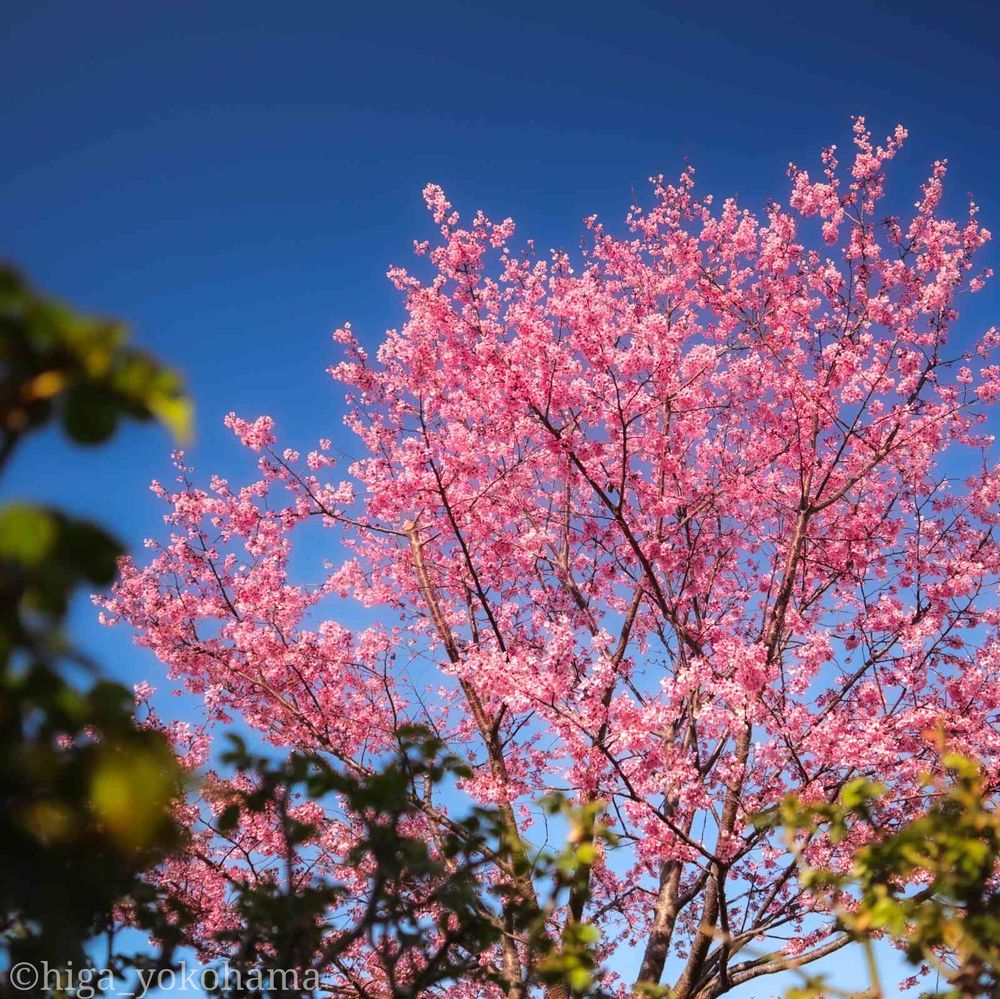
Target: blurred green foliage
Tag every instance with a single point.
(422, 916)
(56, 364)
(930, 885)
(85, 794)
(430, 911)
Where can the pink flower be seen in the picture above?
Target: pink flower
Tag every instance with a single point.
(671, 524)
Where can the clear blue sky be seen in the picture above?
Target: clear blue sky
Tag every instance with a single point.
(234, 178)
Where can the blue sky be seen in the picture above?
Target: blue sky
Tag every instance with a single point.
(234, 178)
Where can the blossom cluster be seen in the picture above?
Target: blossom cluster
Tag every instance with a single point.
(701, 517)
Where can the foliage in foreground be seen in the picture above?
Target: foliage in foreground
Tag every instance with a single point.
(84, 793)
(415, 905)
(931, 886)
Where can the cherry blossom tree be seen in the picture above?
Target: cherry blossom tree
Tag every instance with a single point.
(700, 518)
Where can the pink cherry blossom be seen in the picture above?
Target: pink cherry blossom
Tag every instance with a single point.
(697, 517)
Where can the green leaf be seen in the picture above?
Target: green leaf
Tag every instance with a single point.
(27, 534)
(90, 415)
